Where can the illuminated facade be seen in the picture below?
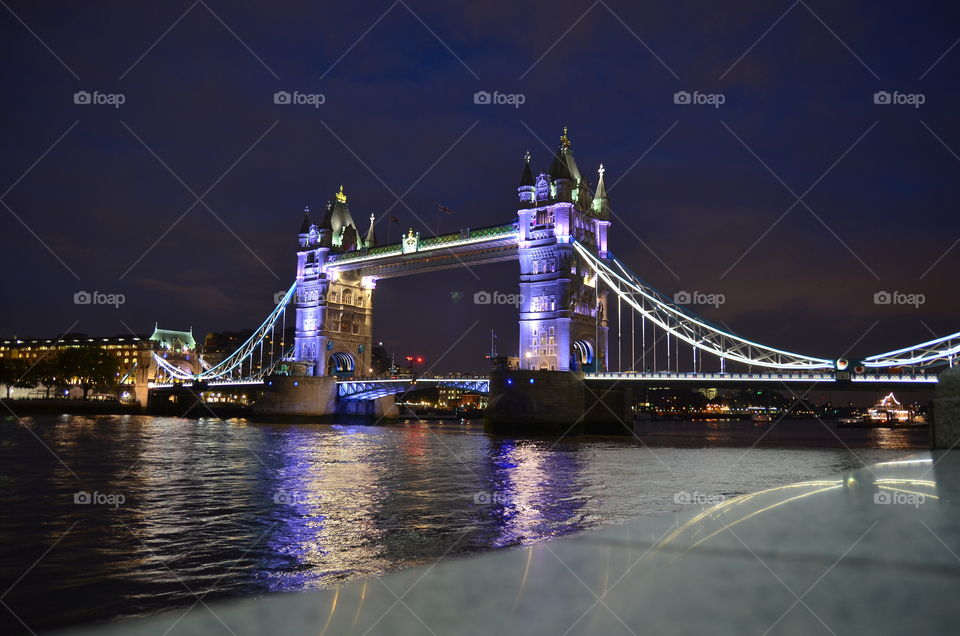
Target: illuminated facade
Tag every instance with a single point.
(563, 316)
(334, 323)
(563, 313)
(125, 348)
(453, 398)
(134, 354)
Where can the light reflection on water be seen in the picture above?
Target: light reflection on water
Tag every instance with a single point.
(234, 508)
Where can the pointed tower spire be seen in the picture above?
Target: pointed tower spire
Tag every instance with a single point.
(527, 189)
(305, 226)
(559, 168)
(526, 179)
(371, 239)
(327, 223)
(564, 181)
(601, 204)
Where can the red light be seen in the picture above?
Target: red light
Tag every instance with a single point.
(419, 359)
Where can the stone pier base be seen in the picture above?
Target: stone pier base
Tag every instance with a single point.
(300, 396)
(945, 428)
(380, 408)
(555, 403)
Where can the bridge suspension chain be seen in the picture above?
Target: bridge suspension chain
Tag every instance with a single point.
(685, 326)
(231, 367)
(938, 351)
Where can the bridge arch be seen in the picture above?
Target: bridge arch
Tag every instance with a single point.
(583, 355)
(341, 364)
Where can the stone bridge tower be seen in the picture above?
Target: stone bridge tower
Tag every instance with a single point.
(563, 314)
(334, 324)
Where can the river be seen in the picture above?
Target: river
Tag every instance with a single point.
(143, 512)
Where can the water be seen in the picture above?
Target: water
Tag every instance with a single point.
(225, 509)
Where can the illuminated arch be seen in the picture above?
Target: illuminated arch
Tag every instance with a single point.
(341, 364)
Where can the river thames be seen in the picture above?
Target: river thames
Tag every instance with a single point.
(146, 514)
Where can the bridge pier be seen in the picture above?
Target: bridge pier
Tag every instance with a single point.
(945, 429)
(315, 396)
(381, 408)
(297, 395)
(556, 403)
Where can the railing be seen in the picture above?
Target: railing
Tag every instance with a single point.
(461, 237)
(364, 388)
(721, 377)
(917, 378)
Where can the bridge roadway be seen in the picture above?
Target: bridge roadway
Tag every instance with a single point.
(376, 387)
(829, 380)
(372, 388)
(466, 247)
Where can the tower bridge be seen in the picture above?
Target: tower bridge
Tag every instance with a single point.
(570, 285)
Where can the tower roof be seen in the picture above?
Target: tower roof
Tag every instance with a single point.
(371, 239)
(327, 223)
(305, 226)
(563, 166)
(526, 179)
(600, 203)
(341, 220)
(170, 339)
(559, 169)
(601, 192)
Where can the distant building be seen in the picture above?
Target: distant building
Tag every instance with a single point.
(506, 363)
(169, 340)
(125, 348)
(452, 398)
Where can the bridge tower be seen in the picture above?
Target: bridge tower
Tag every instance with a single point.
(334, 324)
(563, 314)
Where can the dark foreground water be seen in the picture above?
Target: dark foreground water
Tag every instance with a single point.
(113, 516)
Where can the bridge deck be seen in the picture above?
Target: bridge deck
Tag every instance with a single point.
(470, 246)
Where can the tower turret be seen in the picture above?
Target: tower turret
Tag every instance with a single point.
(325, 229)
(371, 239)
(560, 173)
(344, 230)
(527, 188)
(305, 227)
(601, 205)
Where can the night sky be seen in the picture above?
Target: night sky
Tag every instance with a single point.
(704, 199)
